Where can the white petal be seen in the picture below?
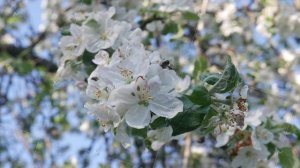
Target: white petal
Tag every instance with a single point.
(122, 99)
(75, 30)
(156, 145)
(138, 116)
(253, 118)
(101, 58)
(169, 79)
(255, 142)
(166, 105)
(155, 58)
(154, 84)
(184, 84)
(123, 137)
(222, 140)
(113, 75)
(154, 69)
(111, 11)
(244, 92)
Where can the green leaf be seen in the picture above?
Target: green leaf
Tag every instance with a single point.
(200, 65)
(187, 103)
(65, 31)
(286, 157)
(208, 116)
(14, 19)
(271, 148)
(290, 129)
(23, 67)
(209, 123)
(87, 58)
(188, 120)
(139, 132)
(159, 123)
(190, 16)
(88, 2)
(200, 96)
(211, 78)
(148, 143)
(170, 27)
(228, 80)
(39, 147)
(92, 23)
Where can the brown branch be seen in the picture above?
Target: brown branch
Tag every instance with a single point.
(187, 151)
(28, 53)
(149, 20)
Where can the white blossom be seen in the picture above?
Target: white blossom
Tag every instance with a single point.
(106, 116)
(73, 45)
(248, 157)
(223, 134)
(100, 31)
(122, 136)
(101, 58)
(244, 92)
(136, 100)
(261, 136)
(160, 136)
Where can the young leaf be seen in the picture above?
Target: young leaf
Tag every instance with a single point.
(290, 129)
(92, 23)
(211, 78)
(286, 157)
(200, 96)
(87, 61)
(14, 19)
(228, 80)
(190, 16)
(139, 132)
(271, 148)
(208, 116)
(209, 122)
(88, 2)
(159, 123)
(188, 120)
(65, 31)
(200, 66)
(170, 27)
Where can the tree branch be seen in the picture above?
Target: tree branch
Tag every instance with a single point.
(28, 53)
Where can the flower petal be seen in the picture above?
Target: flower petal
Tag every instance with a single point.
(166, 105)
(122, 99)
(123, 137)
(138, 116)
(222, 140)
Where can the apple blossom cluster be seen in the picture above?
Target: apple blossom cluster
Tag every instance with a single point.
(232, 119)
(131, 88)
(130, 85)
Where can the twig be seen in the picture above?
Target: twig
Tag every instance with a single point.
(187, 151)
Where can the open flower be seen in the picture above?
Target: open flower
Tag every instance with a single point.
(73, 45)
(160, 136)
(223, 133)
(100, 31)
(125, 70)
(260, 137)
(106, 116)
(248, 157)
(122, 136)
(98, 88)
(101, 58)
(135, 101)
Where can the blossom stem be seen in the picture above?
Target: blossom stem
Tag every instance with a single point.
(228, 102)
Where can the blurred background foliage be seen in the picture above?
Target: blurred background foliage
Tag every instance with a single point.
(45, 125)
